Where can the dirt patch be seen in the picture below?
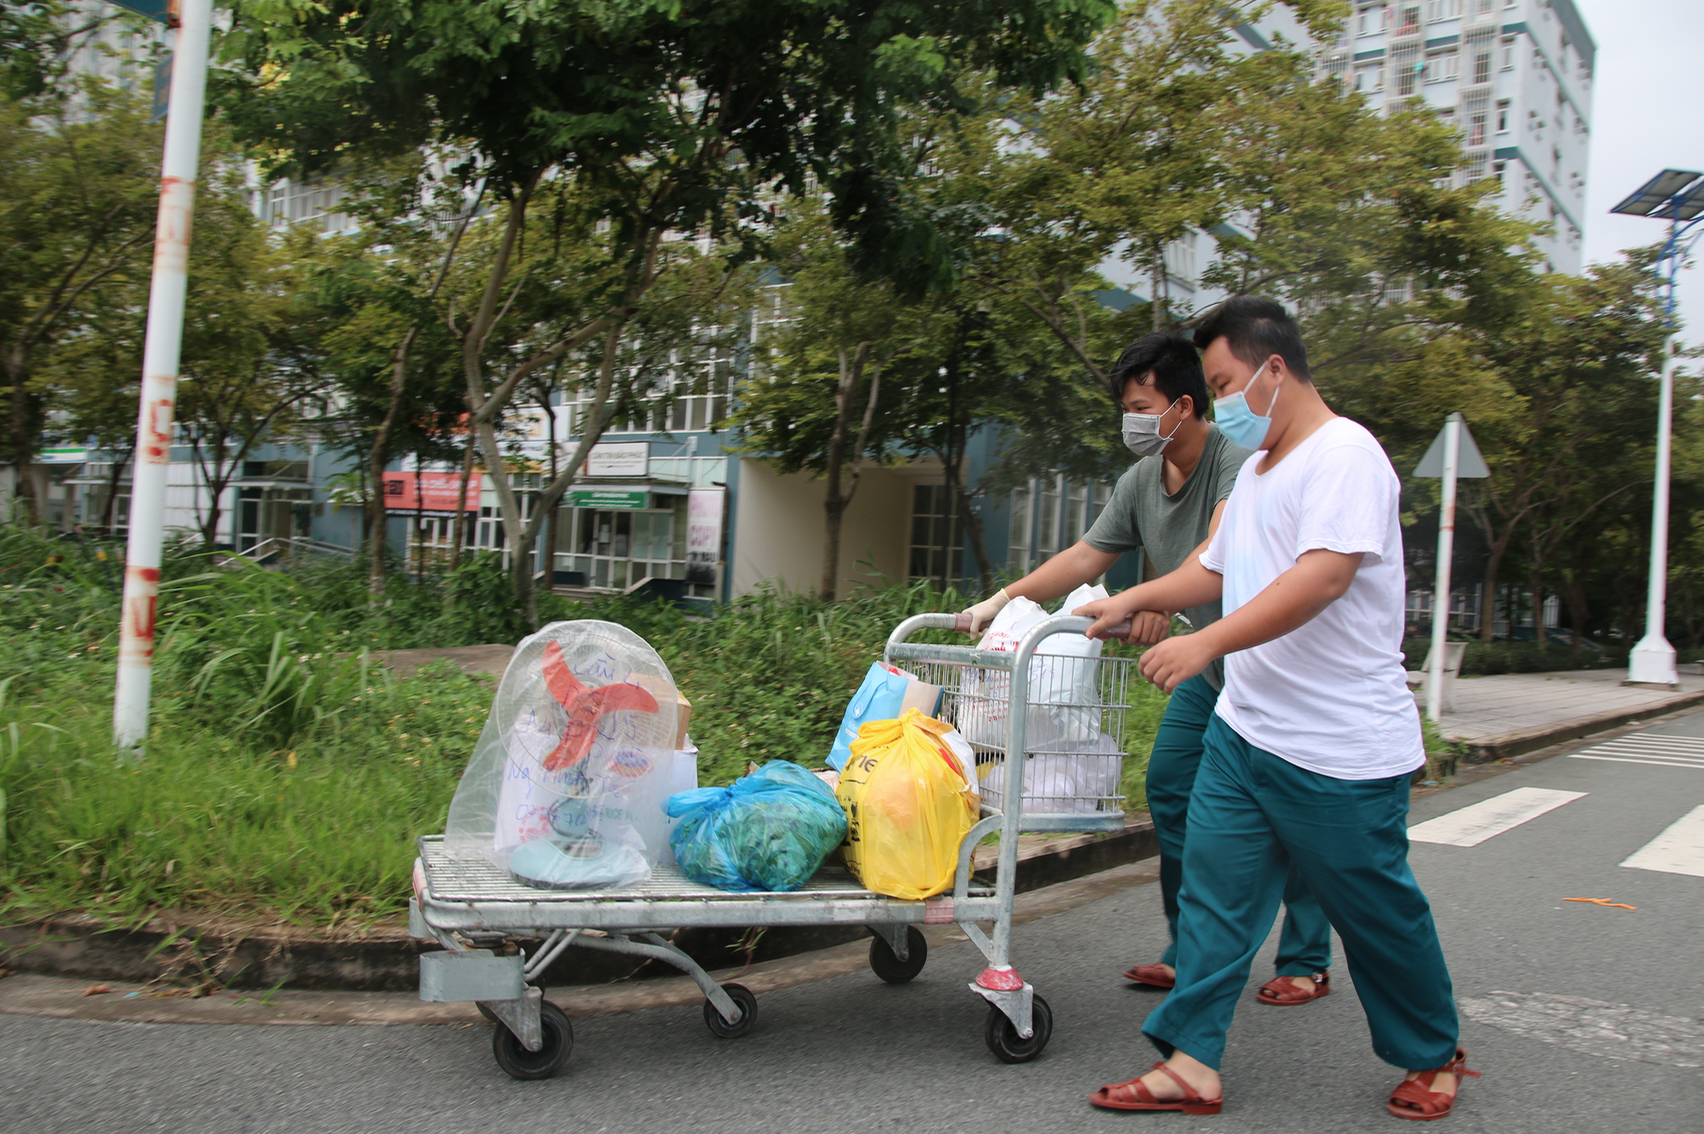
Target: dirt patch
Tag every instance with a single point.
(475, 661)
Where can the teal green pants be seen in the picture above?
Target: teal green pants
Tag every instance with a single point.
(1252, 817)
(1304, 947)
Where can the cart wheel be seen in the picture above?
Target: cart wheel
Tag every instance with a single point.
(490, 1016)
(889, 967)
(746, 999)
(1003, 1038)
(520, 1063)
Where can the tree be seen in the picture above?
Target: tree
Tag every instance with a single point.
(1581, 362)
(80, 183)
(816, 400)
(672, 117)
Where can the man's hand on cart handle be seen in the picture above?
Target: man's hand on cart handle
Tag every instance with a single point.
(975, 619)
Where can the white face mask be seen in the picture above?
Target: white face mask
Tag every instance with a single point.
(1142, 432)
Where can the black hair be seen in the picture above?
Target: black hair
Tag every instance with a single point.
(1255, 329)
(1172, 361)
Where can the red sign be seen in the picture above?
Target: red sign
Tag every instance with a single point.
(428, 493)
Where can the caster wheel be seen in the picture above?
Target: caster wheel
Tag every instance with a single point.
(1003, 1038)
(889, 967)
(490, 1016)
(520, 1063)
(746, 999)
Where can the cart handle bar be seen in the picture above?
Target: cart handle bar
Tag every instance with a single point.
(1121, 631)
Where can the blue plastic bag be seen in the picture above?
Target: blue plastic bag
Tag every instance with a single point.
(880, 698)
(771, 830)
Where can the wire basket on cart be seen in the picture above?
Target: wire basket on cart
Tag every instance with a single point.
(1067, 713)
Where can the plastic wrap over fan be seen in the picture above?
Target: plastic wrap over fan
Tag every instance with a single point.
(567, 784)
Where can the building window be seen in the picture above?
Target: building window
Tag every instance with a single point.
(935, 541)
(1498, 168)
(1408, 20)
(306, 202)
(1047, 520)
(1476, 129)
(1018, 534)
(1482, 67)
(1503, 116)
(1370, 21)
(1509, 53)
(1443, 66)
(1443, 10)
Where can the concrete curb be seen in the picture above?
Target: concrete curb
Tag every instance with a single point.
(186, 955)
(126, 1002)
(1518, 742)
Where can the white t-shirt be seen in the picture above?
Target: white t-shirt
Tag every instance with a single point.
(1330, 696)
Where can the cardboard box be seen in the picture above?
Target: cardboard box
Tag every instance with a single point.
(660, 689)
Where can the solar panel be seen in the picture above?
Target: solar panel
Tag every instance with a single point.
(1691, 202)
(1655, 192)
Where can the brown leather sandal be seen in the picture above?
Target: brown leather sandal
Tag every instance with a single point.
(1281, 992)
(1415, 1099)
(1135, 1095)
(1155, 976)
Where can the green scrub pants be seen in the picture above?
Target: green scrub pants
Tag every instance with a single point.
(1252, 817)
(1304, 947)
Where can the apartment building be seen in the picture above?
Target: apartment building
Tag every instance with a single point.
(1514, 76)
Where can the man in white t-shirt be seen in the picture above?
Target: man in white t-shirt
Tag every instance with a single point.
(1308, 758)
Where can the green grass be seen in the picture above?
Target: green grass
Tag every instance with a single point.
(286, 775)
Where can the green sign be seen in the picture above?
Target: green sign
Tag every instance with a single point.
(609, 499)
(153, 9)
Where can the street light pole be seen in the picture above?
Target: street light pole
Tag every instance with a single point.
(160, 354)
(1678, 195)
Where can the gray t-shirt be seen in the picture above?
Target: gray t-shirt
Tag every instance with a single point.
(1142, 516)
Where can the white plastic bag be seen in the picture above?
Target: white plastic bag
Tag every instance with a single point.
(1063, 681)
(1078, 782)
(566, 786)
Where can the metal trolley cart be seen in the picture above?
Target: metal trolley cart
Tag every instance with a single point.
(470, 907)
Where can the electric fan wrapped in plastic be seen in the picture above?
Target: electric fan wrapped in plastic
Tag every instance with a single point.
(566, 787)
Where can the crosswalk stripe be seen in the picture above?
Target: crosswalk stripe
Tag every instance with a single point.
(1648, 748)
(1469, 826)
(1678, 850)
(1641, 760)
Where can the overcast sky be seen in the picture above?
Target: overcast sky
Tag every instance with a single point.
(1646, 116)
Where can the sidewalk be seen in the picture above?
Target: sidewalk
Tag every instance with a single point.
(1520, 712)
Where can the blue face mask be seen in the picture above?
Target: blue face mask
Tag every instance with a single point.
(1241, 425)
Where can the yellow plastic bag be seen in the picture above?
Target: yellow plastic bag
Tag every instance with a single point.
(908, 805)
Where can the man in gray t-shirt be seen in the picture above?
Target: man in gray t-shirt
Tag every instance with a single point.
(1167, 505)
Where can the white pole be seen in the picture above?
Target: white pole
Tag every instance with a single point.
(1652, 661)
(1446, 552)
(159, 374)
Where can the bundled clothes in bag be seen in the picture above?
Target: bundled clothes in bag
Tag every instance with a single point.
(770, 830)
(885, 693)
(1063, 687)
(910, 798)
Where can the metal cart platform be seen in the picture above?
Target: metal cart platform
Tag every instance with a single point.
(471, 907)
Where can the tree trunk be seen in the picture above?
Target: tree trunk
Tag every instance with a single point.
(458, 531)
(835, 502)
(1488, 605)
(110, 511)
(23, 438)
(377, 457)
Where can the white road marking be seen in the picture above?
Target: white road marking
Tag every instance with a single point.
(1472, 825)
(1678, 850)
(1593, 1027)
(1648, 748)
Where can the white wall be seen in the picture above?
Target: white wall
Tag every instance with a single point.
(779, 529)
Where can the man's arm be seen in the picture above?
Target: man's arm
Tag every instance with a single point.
(1137, 608)
(1062, 574)
(1293, 599)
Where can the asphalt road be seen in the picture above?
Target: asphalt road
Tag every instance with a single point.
(1582, 1017)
